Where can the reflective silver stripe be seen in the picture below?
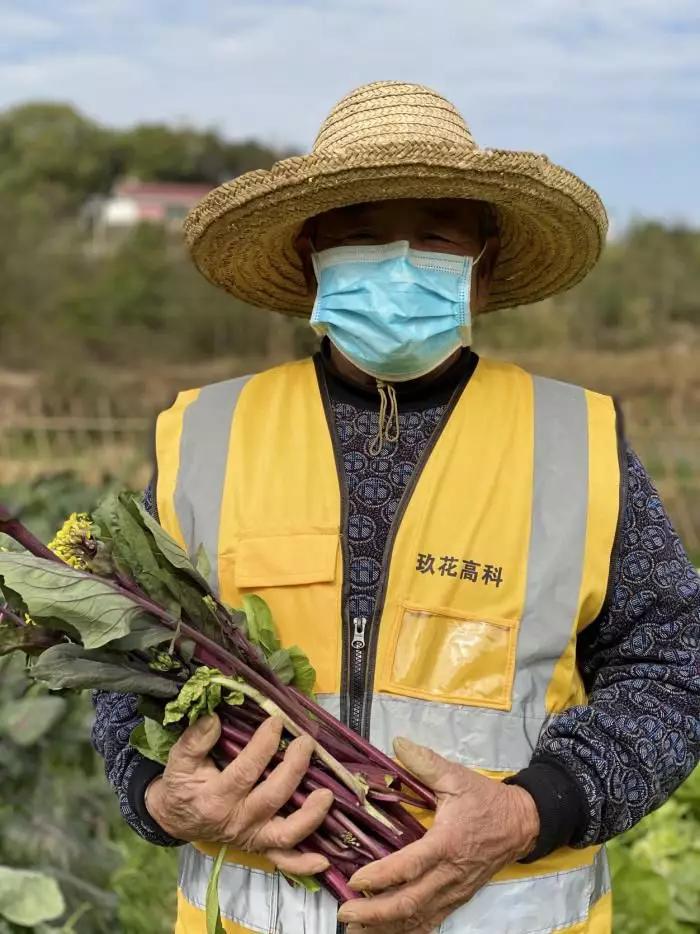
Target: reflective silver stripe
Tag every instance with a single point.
(557, 538)
(206, 429)
(246, 896)
(266, 903)
(474, 736)
(329, 702)
(535, 905)
(302, 912)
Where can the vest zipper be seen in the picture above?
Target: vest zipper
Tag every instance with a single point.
(347, 629)
(358, 638)
(359, 661)
(362, 700)
(356, 679)
(359, 649)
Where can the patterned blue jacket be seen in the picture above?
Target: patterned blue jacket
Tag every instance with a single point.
(598, 768)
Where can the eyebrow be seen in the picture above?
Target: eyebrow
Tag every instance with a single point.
(437, 212)
(358, 211)
(448, 214)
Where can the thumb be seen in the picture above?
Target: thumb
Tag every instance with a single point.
(435, 771)
(195, 744)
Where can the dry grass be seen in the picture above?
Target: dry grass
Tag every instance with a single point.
(104, 426)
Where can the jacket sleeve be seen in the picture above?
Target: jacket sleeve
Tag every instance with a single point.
(600, 768)
(127, 770)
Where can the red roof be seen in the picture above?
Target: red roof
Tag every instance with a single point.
(186, 191)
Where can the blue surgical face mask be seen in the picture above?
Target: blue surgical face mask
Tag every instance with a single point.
(396, 313)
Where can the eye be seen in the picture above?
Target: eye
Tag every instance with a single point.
(360, 235)
(431, 235)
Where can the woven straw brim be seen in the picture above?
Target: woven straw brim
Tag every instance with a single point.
(552, 226)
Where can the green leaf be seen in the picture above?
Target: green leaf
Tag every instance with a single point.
(28, 898)
(150, 707)
(28, 639)
(14, 638)
(186, 587)
(131, 548)
(153, 740)
(198, 697)
(195, 607)
(168, 547)
(164, 661)
(72, 666)
(310, 883)
(234, 698)
(202, 563)
(213, 913)
(145, 634)
(281, 663)
(304, 672)
(98, 612)
(261, 628)
(28, 718)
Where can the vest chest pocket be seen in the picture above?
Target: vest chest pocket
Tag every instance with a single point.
(279, 560)
(298, 576)
(446, 656)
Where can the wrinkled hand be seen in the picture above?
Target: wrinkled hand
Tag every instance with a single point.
(193, 800)
(480, 826)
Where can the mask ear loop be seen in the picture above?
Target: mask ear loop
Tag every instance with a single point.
(483, 250)
(466, 330)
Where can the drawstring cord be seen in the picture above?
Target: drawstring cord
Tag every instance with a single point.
(388, 418)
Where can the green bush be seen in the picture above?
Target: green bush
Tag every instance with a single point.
(58, 815)
(656, 868)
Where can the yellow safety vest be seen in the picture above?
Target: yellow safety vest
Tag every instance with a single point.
(498, 556)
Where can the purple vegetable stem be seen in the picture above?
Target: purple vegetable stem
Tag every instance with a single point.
(374, 755)
(337, 884)
(12, 526)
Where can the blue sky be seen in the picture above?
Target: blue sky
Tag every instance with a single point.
(608, 88)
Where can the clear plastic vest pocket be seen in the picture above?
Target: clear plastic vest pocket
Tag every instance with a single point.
(447, 656)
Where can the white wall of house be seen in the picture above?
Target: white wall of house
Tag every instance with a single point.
(119, 212)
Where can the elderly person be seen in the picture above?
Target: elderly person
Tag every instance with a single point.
(472, 557)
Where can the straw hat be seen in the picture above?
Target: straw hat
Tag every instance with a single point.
(394, 140)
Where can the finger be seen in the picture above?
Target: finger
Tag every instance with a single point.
(408, 908)
(407, 864)
(266, 800)
(432, 769)
(301, 864)
(241, 775)
(427, 927)
(284, 833)
(193, 747)
(431, 926)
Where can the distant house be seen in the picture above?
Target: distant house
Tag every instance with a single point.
(133, 202)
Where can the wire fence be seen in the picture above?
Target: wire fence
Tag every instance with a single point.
(91, 441)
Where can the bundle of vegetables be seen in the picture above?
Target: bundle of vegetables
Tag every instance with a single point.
(114, 603)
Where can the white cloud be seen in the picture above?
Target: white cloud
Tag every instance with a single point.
(575, 78)
(18, 25)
